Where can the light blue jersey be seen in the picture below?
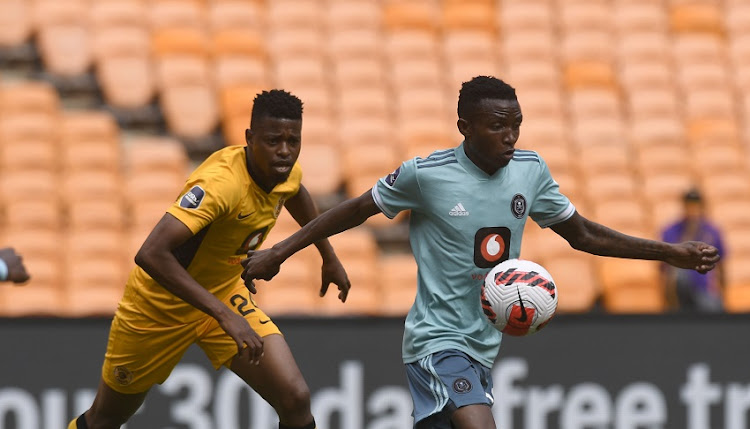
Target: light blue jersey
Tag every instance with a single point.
(463, 222)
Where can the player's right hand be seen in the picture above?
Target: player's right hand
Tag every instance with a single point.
(16, 270)
(259, 264)
(249, 343)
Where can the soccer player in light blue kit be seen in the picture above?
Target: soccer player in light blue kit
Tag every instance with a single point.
(468, 208)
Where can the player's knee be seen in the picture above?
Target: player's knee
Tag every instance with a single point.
(103, 419)
(295, 401)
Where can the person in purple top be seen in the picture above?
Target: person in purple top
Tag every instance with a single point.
(687, 289)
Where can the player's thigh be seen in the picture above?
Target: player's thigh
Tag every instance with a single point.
(277, 378)
(142, 352)
(473, 417)
(112, 408)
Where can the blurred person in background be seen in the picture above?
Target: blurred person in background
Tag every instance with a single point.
(11, 266)
(690, 290)
(186, 287)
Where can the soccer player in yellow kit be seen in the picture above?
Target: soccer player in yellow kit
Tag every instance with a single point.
(186, 287)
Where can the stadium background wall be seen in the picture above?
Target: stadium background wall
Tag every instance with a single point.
(592, 371)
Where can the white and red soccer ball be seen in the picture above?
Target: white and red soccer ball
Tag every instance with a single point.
(519, 297)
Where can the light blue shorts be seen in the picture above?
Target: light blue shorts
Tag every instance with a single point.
(445, 381)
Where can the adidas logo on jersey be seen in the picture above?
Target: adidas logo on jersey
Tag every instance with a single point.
(458, 210)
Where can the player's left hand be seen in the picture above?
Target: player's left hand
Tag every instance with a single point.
(695, 255)
(333, 272)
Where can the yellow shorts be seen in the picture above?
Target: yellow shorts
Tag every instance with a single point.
(142, 352)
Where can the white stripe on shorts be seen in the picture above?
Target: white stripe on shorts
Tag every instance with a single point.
(439, 392)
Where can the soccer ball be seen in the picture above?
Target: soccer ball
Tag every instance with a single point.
(519, 297)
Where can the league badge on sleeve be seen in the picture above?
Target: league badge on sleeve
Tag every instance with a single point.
(391, 178)
(193, 198)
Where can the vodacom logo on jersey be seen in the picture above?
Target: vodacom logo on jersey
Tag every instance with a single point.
(491, 246)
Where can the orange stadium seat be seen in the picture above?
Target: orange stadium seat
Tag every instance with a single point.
(362, 43)
(589, 74)
(473, 16)
(534, 75)
(595, 46)
(62, 36)
(737, 297)
(190, 111)
(236, 107)
(90, 155)
(738, 21)
(416, 73)
(239, 58)
(544, 131)
(731, 214)
(601, 131)
(84, 125)
(347, 15)
(30, 185)
(525, 46)
(107, 14)
(15, 22)
(694, 47)
(321, 167)
(528, 15)
(593, 103)
(177, 13)
(656, 131)
(368, 102)
(604, 159)
(713, 131)
(725, 157)
(609, 185)
(589, 15)
(410, 44)
(420, 15)
(156, 154)
(625, 213)
(398, 280)
(123, 67)
(640, 16)
(362, 131)
(641, 76)
(706, 76)
(646, 46)
(364, 296)
(662, 158)
(660, 186)
(39, 214)
(294, 291)
(106, 213)
(29, 127)
(653, 102)
(631, 286)
(89, 185)
(540, 103)
(35, 97)
(298, 72)
(709, 103)
(721, 185)
(696, 17)
(295, 43)
(28, 154)
(294, 14)
(575, 280)
(161, 186)
(737, 242)
(352, 73)
(239, 14)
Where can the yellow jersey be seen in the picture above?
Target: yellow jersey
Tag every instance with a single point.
(228, 214)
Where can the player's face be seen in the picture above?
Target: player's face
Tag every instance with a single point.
(275, 144)
(491, 133)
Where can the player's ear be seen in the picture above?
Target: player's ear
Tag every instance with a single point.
(248, 136)
(463, 127)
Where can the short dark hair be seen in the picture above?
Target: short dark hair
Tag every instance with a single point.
(276, 103)
(482, 88)
(692, 195)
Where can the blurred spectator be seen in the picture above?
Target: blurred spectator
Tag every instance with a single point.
(687, 289)
(11, 266)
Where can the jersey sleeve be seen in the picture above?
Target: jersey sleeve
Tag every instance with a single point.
(550, 206)
(204, 199)
(398, 191)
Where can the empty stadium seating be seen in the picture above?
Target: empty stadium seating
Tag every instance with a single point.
(630, 103)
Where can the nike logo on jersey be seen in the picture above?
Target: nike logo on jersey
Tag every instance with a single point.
(240, 216)
(264, 321)
(524, 316)
(458, 210)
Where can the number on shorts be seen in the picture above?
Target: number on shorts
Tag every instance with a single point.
(242, 304)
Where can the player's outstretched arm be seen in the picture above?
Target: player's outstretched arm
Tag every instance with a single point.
(156, 258)
(591, 237)
(265, 264)
(303, 210)
(12, 268)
